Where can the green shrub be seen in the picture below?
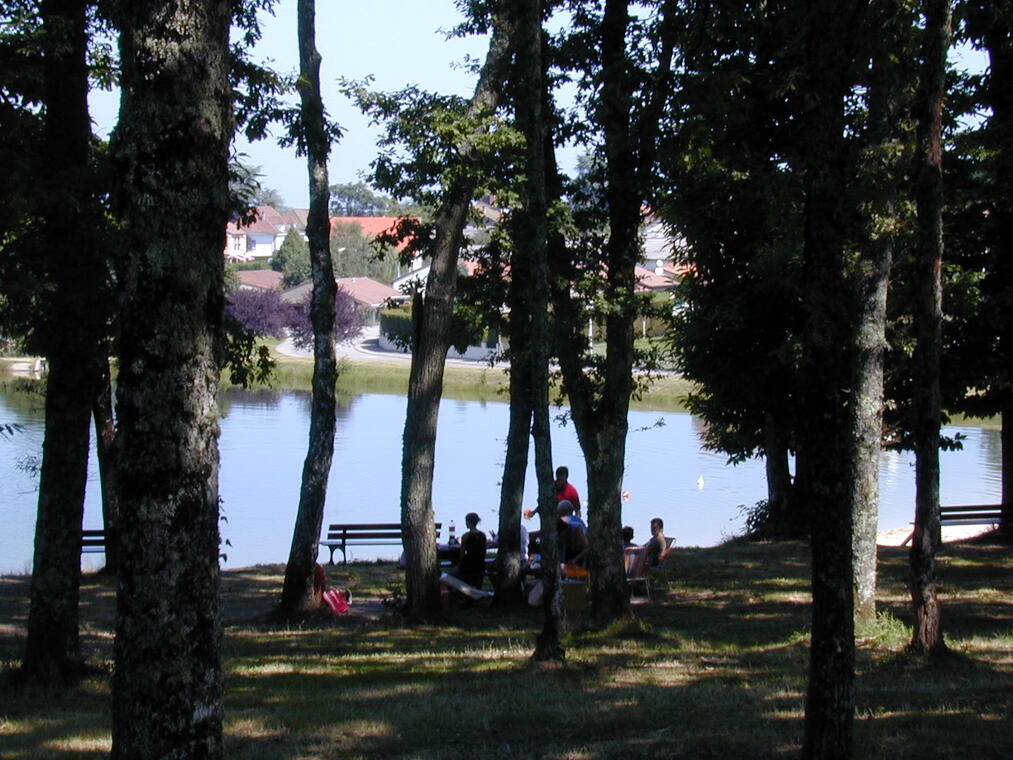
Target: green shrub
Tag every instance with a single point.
(396, 324)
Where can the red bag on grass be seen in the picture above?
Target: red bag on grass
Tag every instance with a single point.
(337, 601)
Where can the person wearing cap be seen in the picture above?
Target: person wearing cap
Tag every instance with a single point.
(471, 567)
(564, 511)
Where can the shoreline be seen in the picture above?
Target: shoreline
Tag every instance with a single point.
(898, 537)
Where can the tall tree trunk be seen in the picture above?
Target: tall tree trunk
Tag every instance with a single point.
(510, 553)
(105, 438)
(52, 652)
(928, 631)
(999, 41)
(429, 353)
(781, 503)
(879, 177)
(630, 136)
(170, 152)
(297, 595)
(533, 247)
(826, 377)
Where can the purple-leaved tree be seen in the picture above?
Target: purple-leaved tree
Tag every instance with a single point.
(261, 312)
(348, 321)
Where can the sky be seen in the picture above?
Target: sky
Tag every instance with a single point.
(398, 42)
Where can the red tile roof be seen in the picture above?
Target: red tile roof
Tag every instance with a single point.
(367, 291)
(371, 226)
(648, 280)
(262, 279)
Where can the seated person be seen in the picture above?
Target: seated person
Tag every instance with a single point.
(471, 567)
(628, 537)
(574, 546)
(656, 547)
(564, 510)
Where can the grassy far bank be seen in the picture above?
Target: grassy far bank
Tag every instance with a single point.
(715, 666)
(477, 381)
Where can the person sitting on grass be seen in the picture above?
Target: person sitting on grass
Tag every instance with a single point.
(471, 567)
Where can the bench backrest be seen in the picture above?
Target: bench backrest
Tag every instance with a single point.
(93, 538)
(972, 509)
(373, 531)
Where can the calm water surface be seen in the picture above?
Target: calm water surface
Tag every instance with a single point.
(264, 439)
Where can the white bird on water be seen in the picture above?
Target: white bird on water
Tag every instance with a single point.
(699, 483)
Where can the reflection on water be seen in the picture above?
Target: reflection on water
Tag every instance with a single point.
(264, 442)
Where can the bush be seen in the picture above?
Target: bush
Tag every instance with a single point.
(348, 320)
(465, 329)
(396, 324)
(259, 312)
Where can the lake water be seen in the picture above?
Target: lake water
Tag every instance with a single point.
(264, 439)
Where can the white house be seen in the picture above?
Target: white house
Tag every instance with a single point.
(263, 237)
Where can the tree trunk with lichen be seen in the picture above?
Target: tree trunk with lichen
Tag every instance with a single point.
(999, 42)
(170, 156)
(70, 331)
(298, 594)
(827, 449)
(105, 438)
(879, 171)
(510, 554)
(429, 354)
(928, 631)
(630, 130)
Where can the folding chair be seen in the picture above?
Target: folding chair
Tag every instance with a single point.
(637, 568)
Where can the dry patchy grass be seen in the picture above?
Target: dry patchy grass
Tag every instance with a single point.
(715, 666)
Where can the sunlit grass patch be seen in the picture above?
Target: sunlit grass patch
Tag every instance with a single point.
(80, 744)
(885, 632)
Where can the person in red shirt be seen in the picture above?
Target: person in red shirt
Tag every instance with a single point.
(565, 490)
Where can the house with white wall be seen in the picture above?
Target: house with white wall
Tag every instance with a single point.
(262, 238)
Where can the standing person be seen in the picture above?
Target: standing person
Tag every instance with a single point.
(565, 490)
(471, 567)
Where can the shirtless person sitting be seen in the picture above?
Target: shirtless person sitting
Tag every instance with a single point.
(656, 547)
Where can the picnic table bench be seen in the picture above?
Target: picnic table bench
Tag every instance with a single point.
(342, 535)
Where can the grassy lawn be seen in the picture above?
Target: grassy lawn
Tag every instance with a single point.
(714, 666)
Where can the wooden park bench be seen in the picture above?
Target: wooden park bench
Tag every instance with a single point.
(342, 535)
(978, 514)
(973, 514)
(93, 542)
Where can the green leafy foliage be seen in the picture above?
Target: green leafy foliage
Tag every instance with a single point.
(355, 254)
(292, 259)
(468, 328)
